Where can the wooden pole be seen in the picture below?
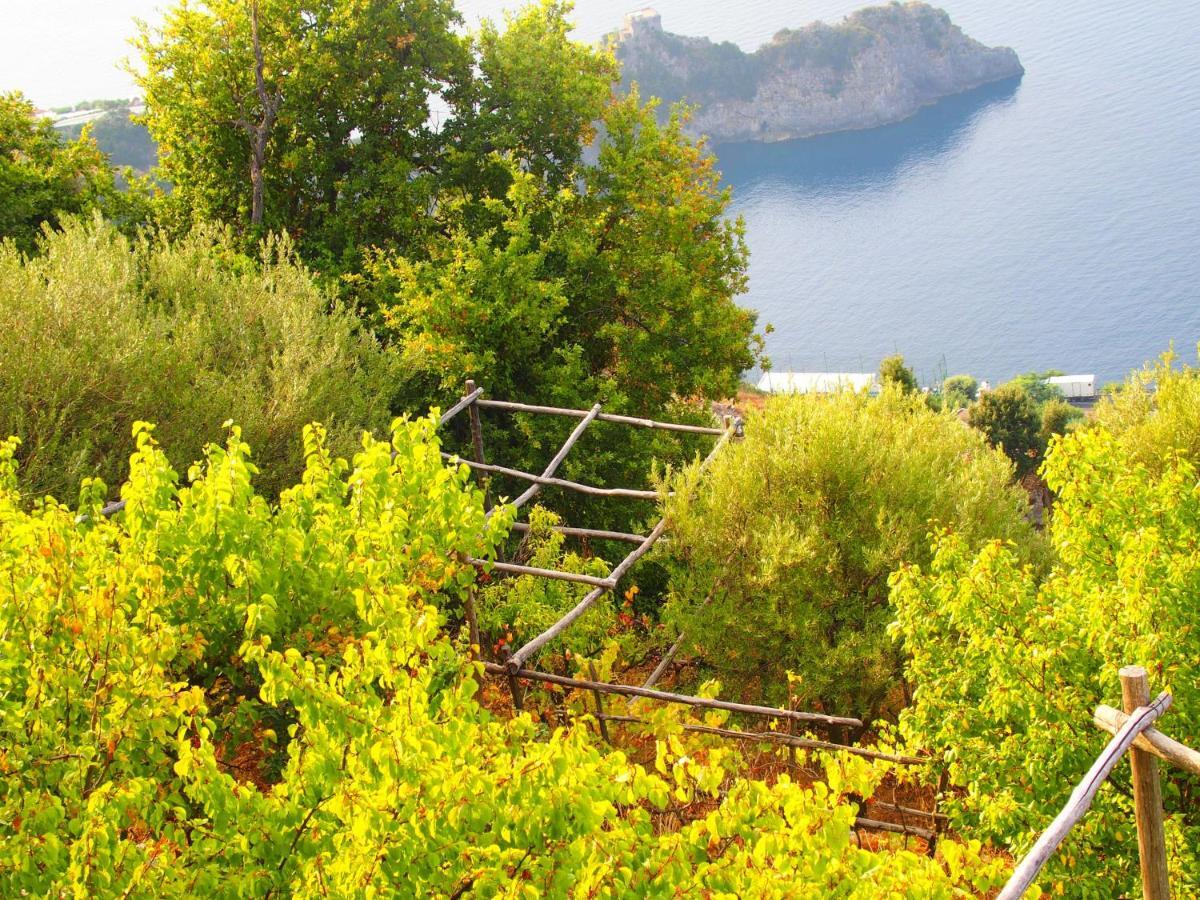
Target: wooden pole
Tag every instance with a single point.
(626, 493)
(477, 442)
(599, 705)
(518, 659)
(1147, 795)
(553, 465)
(522, 656)
(665, 661)
(629, 690)
(1081, 798)
(554, 574)
(1151, 740)
(603, 417)
(597, 533)
(460, 406)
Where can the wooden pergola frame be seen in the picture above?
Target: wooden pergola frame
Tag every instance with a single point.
(516, 666)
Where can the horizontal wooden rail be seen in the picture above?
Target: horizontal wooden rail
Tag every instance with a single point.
(1081, 798)
(553, 465)
(554, 574)
(628, 493)
(522, 656)
(596, 533)
(1151, 740)
(603, 417)
(629, 690)
(460, 406)
(518, 659)
(785, 740)
(875, 825)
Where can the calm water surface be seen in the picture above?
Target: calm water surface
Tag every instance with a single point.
(1049, 223)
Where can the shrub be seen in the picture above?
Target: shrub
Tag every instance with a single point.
(1156, 413)
(1057, 417)
(1008, 666)
(780, 559)
(97, 332)
(959, 391)
(121, 775)
(892, 370)
(1008, 418)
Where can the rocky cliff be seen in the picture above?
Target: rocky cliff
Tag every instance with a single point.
(877, 66)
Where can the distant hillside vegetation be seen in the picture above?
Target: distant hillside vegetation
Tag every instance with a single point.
(126, 142)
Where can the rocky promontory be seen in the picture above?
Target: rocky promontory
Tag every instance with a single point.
(878, 66)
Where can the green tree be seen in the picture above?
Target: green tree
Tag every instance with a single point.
(1008, 665)
(959, 392)
(1035, 385)
(44, 178)
(1009, 418)
(314, 117)
(892, 370)
(534, 95)
(779, 558)
(619, 289)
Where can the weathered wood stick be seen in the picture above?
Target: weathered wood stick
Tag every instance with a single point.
(629, 493)
(555, 574)
(604, 417)
(909, 810)
(786, 740)
(519, 658)
(629, 690)
(477, 443)
(1147, 795)
(599, 705)
(1081, 798)
(665, 661)
(588, 533)
(113, 508)
(553, 465)
(460, 406)
(1151, 740)
(873, 825)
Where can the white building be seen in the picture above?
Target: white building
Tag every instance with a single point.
(1075, 387)
(816, 382)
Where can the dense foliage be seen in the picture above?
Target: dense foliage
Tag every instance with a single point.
(780, 558)
(1009, 418)
(44, 178)
(98, 331)
(1009, 666)
(214, 696)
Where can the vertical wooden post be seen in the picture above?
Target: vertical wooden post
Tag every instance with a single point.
(942, 784)
(514, 686)
(473, 624)
(477, 440)
(1147, 795)
(599, 705)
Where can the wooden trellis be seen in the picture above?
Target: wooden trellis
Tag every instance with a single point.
(516, 667)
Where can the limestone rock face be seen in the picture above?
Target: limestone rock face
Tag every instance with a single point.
(878, 66)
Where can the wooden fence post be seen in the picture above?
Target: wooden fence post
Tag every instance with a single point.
(477, 441)
(599, 705)
(1147, 795)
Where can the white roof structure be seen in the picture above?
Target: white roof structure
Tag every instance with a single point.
(1074, 386)
(815, 382)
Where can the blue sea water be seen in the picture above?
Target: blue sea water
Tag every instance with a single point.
(1052, 222)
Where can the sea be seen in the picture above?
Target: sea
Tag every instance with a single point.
(1047, 223)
